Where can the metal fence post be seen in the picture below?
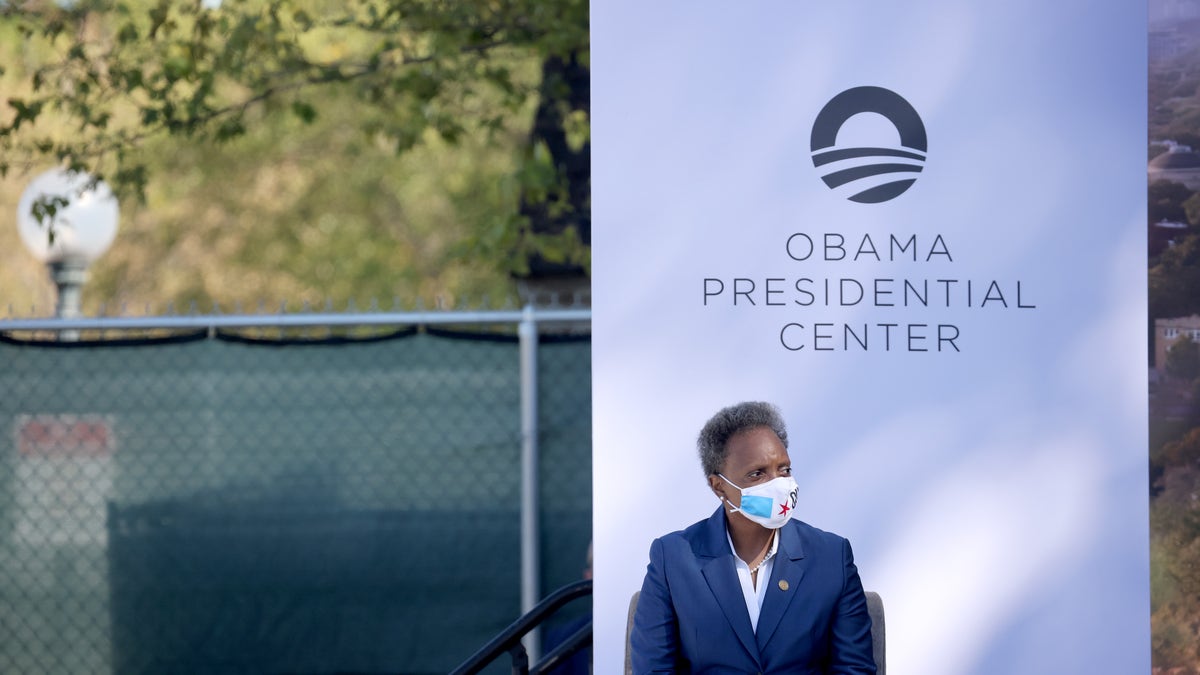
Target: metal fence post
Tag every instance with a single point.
(530, 529)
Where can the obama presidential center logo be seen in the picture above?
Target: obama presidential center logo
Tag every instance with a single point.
(870, 169)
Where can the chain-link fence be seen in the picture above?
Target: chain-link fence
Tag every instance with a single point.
(207, 502)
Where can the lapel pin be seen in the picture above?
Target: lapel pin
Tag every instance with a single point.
(783, 585)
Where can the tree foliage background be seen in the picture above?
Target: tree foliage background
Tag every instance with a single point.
(1174, 286)
(303, 150)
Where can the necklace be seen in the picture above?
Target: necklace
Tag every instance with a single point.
(766, 557)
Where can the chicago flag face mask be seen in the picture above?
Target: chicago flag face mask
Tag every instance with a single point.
(770, 504)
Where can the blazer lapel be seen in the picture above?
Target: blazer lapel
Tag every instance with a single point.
(784, 584)
(722, 580)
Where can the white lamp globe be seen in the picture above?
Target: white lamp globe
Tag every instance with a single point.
(83, 229)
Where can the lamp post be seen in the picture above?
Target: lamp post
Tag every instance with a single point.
(78, 225)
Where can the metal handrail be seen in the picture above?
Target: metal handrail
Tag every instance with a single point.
(581, 638)
(509, 640)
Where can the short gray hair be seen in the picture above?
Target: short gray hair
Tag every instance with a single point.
(731, 421)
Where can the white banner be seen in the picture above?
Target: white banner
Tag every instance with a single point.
(919, 228)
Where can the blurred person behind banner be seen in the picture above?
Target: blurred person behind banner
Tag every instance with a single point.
(750, 589)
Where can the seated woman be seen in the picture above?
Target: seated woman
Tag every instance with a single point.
(750, 589)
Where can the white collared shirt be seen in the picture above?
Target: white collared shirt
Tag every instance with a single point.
(754, 596)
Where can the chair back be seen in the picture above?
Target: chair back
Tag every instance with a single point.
(878, 631)
(629, 632)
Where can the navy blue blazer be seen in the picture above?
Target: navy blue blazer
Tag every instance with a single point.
(691, 616)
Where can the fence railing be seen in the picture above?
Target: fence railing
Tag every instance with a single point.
(529, 316)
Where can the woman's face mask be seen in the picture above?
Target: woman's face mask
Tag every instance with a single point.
(769, 504)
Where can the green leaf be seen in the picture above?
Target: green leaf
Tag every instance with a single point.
(26, 112)
(132, 78)
(305, 111)
(158, 16)
(46, 207)
(176, 68)
(229, 129)
(127, 34)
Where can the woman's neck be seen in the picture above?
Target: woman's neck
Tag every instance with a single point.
(750, 540)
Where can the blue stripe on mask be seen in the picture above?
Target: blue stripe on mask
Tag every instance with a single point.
(757, 506)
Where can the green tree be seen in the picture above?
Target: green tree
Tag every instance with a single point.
(1175, 280)
(1166, 199)
(1175, 574)
(1191, 209)
(117, 87)
(1183, 359)
(1181, 452)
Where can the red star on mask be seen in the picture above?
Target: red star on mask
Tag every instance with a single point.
(784, 508)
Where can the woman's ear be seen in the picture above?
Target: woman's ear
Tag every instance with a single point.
(717, 486)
